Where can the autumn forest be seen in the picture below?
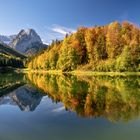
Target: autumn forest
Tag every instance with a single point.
(113, 47)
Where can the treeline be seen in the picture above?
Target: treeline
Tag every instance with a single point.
(6, 61)
(114, 47)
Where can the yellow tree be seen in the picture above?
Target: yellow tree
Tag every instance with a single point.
(113, 40)
(90, 39)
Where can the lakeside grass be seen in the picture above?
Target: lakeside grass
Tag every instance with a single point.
(91, 73)
(84, 73)
(42, 71)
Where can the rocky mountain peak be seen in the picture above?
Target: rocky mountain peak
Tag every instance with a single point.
(27, 35)
(27, 42)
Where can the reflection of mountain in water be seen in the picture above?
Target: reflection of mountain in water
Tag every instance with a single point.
(25, 97)
(6, 100)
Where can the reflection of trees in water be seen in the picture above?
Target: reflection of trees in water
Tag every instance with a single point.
(10, 82)
(117, 99)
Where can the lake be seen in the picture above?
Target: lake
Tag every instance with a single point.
(67, 107)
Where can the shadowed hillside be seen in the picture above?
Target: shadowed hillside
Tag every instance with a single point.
(10, 57)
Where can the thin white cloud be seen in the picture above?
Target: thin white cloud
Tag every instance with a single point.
(56, 32)
(62, 30)
(59, 109)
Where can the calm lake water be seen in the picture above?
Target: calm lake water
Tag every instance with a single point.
(53, 107)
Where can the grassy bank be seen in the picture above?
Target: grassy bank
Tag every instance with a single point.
(91, 73)
(78, 72)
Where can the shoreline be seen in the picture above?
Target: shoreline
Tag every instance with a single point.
(82, 73)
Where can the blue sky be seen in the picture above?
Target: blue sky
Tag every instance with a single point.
(53, 18)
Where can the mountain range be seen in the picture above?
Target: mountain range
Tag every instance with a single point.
(26, 42)
(7, 39)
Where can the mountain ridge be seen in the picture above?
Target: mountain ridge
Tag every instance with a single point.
(10, 58)
(7, 38)
(5, 49)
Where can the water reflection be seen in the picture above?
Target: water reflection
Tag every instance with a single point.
(10, 82)
(15, 91)
(25, 97)
(114, 98)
